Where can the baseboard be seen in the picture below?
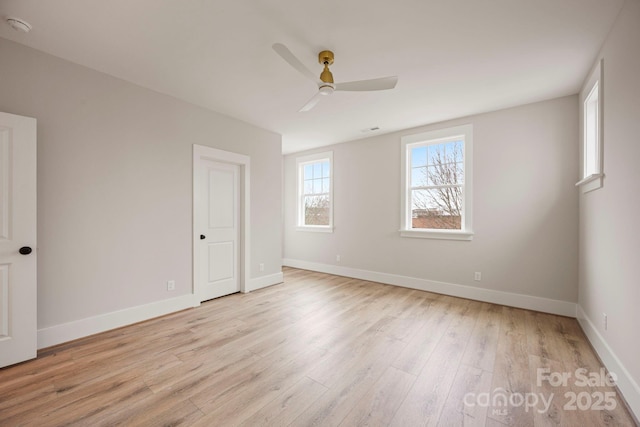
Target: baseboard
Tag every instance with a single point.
(626, 384)
(59, 334)
(65, 332)
(545, 305)
(264, 281)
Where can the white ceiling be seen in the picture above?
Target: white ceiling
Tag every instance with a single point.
(453, 57)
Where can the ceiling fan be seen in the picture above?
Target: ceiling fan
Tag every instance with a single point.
(326, 86)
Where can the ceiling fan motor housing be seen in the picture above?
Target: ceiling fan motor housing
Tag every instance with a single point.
(326, 58)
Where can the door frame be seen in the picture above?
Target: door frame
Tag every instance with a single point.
(201, 152)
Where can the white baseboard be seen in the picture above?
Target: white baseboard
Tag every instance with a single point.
(545, 305)
(65, 332)
(59, 334)
(264, 281)
(625, 382)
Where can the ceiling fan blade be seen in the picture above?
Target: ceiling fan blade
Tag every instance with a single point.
(383, 83)
(311, 103)
(286, 54)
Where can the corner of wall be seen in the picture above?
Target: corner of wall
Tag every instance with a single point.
(626, 384)
(265, 281)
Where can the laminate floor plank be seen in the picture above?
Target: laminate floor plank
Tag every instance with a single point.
(483, 343)
(427, 397)
(323, 350)
(510, 377)
(347, 389)
(463, 406)
(282, 410)
(380, 403)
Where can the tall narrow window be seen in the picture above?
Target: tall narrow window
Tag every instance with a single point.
(437, 184)
(591, 99)
(591, 125)
(315, 192)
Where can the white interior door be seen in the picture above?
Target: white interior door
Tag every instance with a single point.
(218, 220)
(18, 298)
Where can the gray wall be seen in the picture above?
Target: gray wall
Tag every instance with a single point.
(525, 207)
(114, 185)
(609, 230)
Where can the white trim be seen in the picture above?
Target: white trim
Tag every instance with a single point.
(590, 178)
(204, 152)
(81, 328)
(545, 305)
(265, 281)
(590, 183)
(594, 180)
(625, 382)
(315, 228)
(437, 234)
(466, 131)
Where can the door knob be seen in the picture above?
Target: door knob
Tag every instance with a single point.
(25, 250)
(202, 237)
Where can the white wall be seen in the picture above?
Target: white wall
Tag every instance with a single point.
(609, 230)
(524, 211)
(114, 185)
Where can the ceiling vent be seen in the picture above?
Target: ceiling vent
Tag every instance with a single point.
(19, 24)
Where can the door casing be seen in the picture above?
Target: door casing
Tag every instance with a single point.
(201, 152)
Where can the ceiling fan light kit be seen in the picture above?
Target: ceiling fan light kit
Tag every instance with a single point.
(326, 85)
(326, 89)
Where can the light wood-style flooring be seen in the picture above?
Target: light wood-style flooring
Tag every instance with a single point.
(318, 350)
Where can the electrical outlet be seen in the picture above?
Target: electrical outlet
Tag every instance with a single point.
(477, 276)
(261, 266)
(604, 320)
(171, 285)
(337, 258)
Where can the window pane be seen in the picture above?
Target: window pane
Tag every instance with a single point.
(419, 177)
(434, 152)
(446, 164)
(325, 185)
(325, 169)
(308, 186)
(308, 171)
(316, 210)
(317, 170)
(459, 173)
(437, 208)
(317, 186)
(418, 156)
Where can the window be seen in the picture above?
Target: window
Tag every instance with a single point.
(591, 99)
(436, 184)
(315, 192)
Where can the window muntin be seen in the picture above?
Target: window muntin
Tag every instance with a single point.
(436, 185)
(315, 201)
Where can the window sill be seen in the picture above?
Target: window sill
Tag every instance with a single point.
(315, 229)
(590, 183)
(433, 234)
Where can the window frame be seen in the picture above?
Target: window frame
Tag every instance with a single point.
(592, 181)
(424, 138)
(301, 162)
